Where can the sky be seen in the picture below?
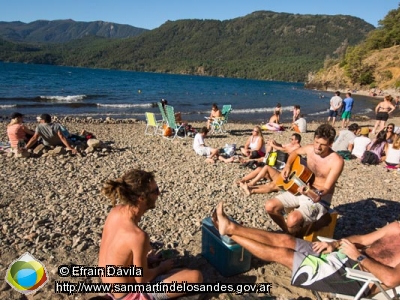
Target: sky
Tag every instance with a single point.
(150, 14)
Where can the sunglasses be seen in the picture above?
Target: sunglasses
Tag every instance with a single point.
(390, 128)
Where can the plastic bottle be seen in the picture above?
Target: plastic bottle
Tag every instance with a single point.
(272, 159)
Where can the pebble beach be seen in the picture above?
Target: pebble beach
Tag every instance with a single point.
(51, 206)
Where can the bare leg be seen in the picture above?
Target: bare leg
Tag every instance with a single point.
(266, 245)
(267, 172)
(245, 189)
(192, 276)
(251, 175)
(226, 160)
(375, 127)
(274, 209)
(264, 188)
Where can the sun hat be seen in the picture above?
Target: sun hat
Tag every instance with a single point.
(364, 130)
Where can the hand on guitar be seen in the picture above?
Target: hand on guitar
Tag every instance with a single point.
(306, 190)
(285, 172)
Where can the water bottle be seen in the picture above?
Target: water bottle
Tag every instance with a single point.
(272, 159)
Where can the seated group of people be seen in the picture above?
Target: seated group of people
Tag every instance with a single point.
(48, 133)
(124, 243)
(354, 141)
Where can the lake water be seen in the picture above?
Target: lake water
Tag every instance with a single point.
(36, 89)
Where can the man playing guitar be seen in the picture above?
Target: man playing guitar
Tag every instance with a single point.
(311, 201)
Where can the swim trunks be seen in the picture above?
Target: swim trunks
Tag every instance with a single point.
(382, 116)
(323, 272)
(333, 113)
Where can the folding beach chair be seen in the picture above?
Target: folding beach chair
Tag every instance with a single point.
(218, 124)
(170, 114)
(163, 115)
(152, 122)
(368, 279)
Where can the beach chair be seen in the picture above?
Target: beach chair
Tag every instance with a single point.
(163, 115)
(152, 122)
(365, 277)
(218, 124)
(170, 114)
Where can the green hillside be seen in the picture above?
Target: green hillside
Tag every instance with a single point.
(261, 45)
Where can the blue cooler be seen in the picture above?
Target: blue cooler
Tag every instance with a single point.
(228, 257)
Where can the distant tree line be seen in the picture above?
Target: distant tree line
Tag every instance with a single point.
(261, 45)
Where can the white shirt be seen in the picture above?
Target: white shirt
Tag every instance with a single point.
(198, 141)
(345, 138)
(302, 124)
(392, 155)
(335, 102)
(360, 145)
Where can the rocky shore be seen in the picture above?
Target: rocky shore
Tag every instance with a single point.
(51, 206)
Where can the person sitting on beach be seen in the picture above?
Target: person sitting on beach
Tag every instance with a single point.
(200, 148)
(278, 111)
(296, 113)
(392, 151)
(125, 244)
(321, 266)
(266, 171)
(347, 108)
(360, 143)
(300, 125)
(17, 131)
(390, 133)
(345, 140)
(215, 113)
(378, 145)
(313, 200)
(255, 144)
(51, 134)
(383, 110)
(335, 105)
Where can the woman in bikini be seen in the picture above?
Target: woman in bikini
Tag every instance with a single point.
(382, 110)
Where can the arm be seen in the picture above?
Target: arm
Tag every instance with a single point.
(392, 108)
(32, 141)
(246, 146)
(300, 151)
(350, 147)
(66, 142)
(27, 130)
(390, 276)
(377, 108)
(140, 249)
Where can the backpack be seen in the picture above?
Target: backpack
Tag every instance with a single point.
(370, 158)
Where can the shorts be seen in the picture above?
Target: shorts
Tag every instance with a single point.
(346, 115)
(323, 272)
(333, 113)
(310, 211)
(203, 151)
(382, 116)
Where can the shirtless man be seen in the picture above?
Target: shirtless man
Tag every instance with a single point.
(267, 172)
(215, 113)
(313, 201)
(376, 252)
(125, 244)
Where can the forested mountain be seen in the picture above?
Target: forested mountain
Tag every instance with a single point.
(61, 31)
(375, 62)
(261, 45)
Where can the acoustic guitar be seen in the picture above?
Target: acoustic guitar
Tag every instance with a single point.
(299, 176)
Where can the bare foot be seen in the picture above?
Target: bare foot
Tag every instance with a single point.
(245, 189)
(210, 161)
(237, 182)
(224, 223)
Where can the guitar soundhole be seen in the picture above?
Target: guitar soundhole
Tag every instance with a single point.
(290, 177)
